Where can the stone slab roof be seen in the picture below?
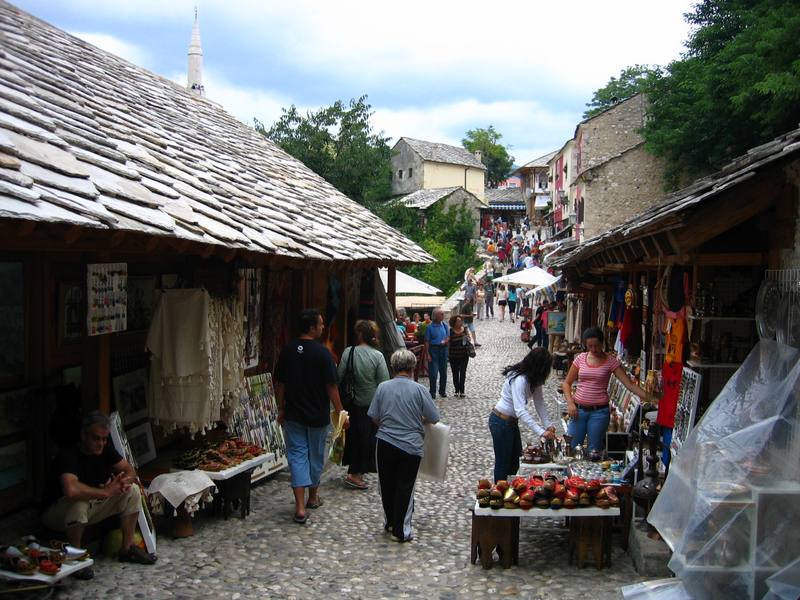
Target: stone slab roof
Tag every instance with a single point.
(91, 140)
(505, 196)
(539, 162)
(444, 153)
(423, 199)
(739, 170)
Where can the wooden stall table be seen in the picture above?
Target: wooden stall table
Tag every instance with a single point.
(234, 485)
(421, 370)
(590, 529)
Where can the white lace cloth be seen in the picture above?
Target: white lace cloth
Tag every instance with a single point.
(191, 488)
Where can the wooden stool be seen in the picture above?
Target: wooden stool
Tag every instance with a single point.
(489, 533)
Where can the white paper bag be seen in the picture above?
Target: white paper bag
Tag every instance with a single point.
(437, 449)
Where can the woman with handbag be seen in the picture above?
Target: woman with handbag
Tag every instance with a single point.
(361, 369)
(460, 351)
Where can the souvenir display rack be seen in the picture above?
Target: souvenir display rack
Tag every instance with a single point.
(624, 408)
(686, 411)
(255, 420)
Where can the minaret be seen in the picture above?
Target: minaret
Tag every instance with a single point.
(195, 82)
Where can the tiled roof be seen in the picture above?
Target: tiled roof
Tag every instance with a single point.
(506, 196)
(737, 171)
(539, 162)
(426, 198)
(444, 153)
(91, 140)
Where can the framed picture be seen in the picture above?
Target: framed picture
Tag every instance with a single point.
(130, 395)
(556, 323)
(140, 440)
(141, 301)
(71, 312)
(120, 441)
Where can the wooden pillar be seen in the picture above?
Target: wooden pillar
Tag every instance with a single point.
(104, 373)
(391, 291)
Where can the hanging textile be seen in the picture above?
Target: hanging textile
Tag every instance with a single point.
(197, 359)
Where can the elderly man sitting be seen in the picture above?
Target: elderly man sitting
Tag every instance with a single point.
(96, 483)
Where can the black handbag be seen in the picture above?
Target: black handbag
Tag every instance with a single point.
(347, 386)
(468, 344)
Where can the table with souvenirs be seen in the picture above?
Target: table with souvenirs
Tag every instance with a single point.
(36, 562)
(587, 494)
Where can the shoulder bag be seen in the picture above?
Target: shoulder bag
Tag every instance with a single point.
(470, 348)
(347, 386)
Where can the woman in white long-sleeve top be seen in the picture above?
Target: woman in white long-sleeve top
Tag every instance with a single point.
(524, 382)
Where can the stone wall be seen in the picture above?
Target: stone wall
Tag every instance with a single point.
(405, 158)
(461, 197)
(620, 189)
(611, 132)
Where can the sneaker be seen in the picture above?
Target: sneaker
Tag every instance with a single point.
(400, 540)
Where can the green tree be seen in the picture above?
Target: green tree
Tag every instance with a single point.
(737, 86)
(630, 82)
(493, 154)
(338, 143)
(446, 235)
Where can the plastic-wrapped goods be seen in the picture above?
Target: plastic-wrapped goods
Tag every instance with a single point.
(658, 589)
(730, 508)
(437, 450)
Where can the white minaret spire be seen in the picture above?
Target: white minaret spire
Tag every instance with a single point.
(195, 82)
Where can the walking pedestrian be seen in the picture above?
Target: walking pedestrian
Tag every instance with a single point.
(305, 387)
(480, 300)
(488, 289)
(399, 408)
(502, 300)
(369, 370)
(467, 314)
(512, 302)
(458, 353)
(524, 381)
(437, 339)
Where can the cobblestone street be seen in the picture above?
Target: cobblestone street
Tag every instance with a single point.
(343, 552)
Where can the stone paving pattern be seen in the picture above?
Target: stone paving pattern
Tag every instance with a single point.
(342, 551)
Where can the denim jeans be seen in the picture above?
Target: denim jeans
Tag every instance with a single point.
(305, 451)
(507, 444)
(437, 369)
(593, 422)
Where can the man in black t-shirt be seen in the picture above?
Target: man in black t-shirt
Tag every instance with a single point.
(94, 483)
(305, 387)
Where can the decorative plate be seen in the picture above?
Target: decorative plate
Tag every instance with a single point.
(788, 330)
(767, 304)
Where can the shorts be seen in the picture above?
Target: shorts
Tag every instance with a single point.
(470, 326)
(66, 513)
(501, 302)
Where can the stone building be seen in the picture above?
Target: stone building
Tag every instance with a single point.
(536, 185)
(561, 168)
(420, 165)
(614, 176)
(424, 200)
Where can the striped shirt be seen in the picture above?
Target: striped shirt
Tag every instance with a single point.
(593, 381)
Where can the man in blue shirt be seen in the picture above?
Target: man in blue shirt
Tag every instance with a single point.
(437, 338)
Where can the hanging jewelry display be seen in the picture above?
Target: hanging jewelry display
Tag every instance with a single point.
(107, 295)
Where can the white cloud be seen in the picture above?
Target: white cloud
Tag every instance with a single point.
(114, 45)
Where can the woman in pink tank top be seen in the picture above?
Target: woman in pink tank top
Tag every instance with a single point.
(588, 406)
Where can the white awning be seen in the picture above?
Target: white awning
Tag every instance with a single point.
(406, 284)
(534, 277)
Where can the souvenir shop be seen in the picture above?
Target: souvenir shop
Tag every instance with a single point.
(695, 296)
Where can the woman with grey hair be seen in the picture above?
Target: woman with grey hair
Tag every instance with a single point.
(399, 409)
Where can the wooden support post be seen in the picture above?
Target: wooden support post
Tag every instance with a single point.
(391, 291)
(104, 373)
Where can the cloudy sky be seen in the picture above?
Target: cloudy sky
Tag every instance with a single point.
(432, 69)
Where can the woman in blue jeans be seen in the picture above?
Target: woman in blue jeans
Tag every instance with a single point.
(523, 382)
(588, 405)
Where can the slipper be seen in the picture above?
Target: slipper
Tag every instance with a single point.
(314, 505)
(355, 485)
(301, 519)
(134, 554)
